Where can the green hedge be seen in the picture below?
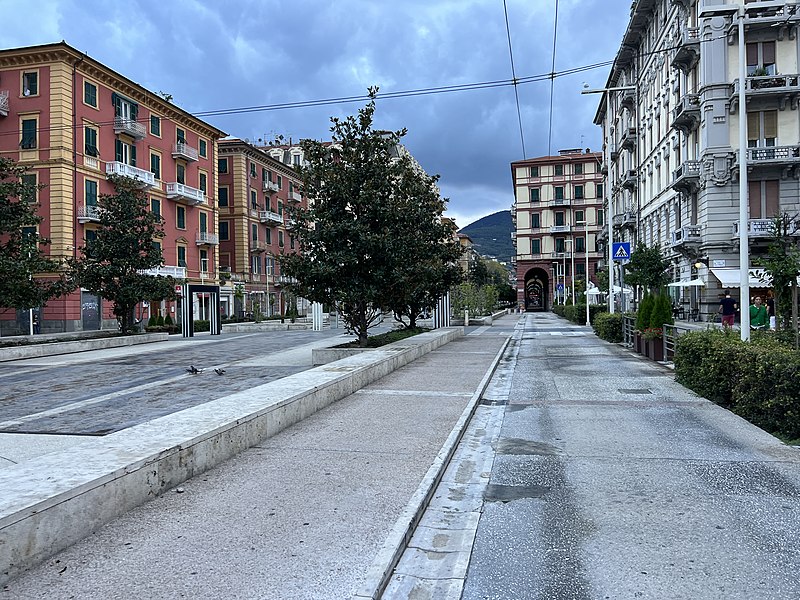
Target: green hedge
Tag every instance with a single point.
(759, 380)
(577, 313)
(608, 327)
(202, 325)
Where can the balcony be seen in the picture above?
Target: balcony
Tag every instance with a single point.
(166, 271)
(778, 89)
(86, 214)
(686, 115)
(184, 151)
(144, 179)
(628, 99)
(267, 216)
(762, 229)
(269, 187)
(630, 180)
(258, 246)
(559, 229)
(130, 127)
(284, 280)
(688, 235)
(207, 239)
(686, 178)
(628, 139)
(768, 15)
(295, 197)
(773, 156)
(560, 202)
(613, 150)
(183, 193)
(560, 254)
(3, 103)
(626, 219)
(687, 54)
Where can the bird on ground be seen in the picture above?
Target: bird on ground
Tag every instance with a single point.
(194, 370)
(219, 371)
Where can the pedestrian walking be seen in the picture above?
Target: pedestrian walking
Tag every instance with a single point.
(758, 314)
(728, 308)
(36, 327)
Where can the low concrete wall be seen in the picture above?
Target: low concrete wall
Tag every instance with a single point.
(323, 356)
(51, 502)
(55, 348)
(264, 326)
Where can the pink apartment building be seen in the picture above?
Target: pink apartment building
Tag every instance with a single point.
(74, 122)
(557, 199)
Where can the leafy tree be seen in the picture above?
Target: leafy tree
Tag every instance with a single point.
(647, 267)
(644, 313)
(111, 264)
(28, 277)
(782, 265)
(661, 312)
(356, 236)
(427, 246)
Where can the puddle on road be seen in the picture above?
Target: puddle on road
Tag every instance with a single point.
(509, 493)
(526, 447)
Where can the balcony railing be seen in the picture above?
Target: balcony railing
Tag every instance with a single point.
(3, 103)
(628, 139)
(628, 99)
(207, 239)
(265, 216)
(130, 127)
(687, 54)
(559, 229)
(258, 246)
(687, 176)
(560, 254)
(166, 271)
(269, 187)
(773, 155)
(182, 192)
(561, 201)
(144, 179)
(689, 234)
(625, 219)
(763, 228)
(630, 180)
(284, 279)
(295, 197)
(88, 213)
(686, 115)
(185, 151)
(783, 88)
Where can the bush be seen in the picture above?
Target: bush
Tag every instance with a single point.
(608, 327)
(759, 380)
(577, 313)
(202, 325)
(662, 312)
(644, 313)
(168, 320)
(160, 321)
(152, 321)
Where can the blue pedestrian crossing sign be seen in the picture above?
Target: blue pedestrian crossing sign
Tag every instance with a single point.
(621, 251)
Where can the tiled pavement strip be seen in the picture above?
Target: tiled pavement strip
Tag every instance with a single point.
(302, 515)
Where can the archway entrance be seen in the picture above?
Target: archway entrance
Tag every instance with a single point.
(536, 290)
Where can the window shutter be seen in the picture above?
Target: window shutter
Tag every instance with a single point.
(134, 111)
(754, 193)
(752, 54)
(768, 53)
(773, 192)
(117, 102)
(133, 155)
(118, 150)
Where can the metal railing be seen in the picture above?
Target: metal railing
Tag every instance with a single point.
(184, 150)
(129, 126)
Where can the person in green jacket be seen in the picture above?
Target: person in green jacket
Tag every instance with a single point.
(758, 314)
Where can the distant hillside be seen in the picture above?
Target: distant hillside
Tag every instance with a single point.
(492, 235)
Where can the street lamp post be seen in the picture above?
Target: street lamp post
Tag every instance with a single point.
(607, 190)
(738, 13)
(572, 267)
(585, 224)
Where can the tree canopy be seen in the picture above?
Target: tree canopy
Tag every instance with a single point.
(647, 267)
(371, 239)
(28, 277)
(124, 245)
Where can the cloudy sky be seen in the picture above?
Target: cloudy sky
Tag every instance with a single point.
(214, 54)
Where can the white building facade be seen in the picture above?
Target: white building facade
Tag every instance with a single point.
(671, 133)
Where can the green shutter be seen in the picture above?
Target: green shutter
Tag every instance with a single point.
(91, 193)
(118, 152)
(28, 134)
(133, 155)
(117, 102)
(134, 111)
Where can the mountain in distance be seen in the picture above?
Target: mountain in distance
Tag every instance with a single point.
(491, 235)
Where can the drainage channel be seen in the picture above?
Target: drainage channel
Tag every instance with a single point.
(435, 561)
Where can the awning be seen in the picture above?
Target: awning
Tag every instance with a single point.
(628, 291)
(687, 283)
(732, 277)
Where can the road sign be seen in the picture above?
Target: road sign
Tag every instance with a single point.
(560, 287)
(621, 251)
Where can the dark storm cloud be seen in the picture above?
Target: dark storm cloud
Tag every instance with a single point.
(213, 55)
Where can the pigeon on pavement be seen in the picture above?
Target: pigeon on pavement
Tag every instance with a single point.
(219, 371)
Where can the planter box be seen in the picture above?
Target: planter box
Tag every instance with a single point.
(323, 356)
(654, 349)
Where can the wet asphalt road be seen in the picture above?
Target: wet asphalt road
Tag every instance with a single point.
(113, 391)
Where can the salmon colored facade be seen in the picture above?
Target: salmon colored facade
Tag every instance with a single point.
(74, 122)
(256, 184)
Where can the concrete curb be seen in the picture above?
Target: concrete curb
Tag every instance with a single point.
(55, 348)
(53, 501)
(265, 326)
(380, 573)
